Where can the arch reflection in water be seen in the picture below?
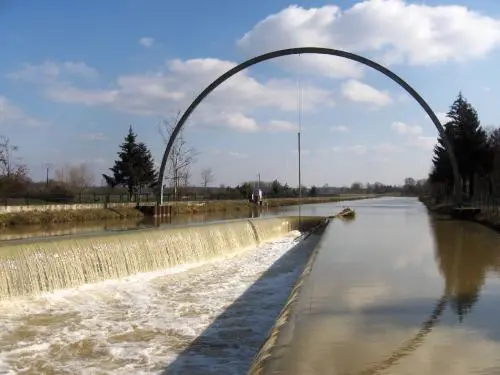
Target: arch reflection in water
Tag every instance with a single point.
(377, 298)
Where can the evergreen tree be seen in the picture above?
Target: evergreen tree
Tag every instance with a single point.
(470, 144)
(134, 168)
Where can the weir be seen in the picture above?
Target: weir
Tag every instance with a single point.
(52, 264)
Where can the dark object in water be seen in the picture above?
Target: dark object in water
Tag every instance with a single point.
(345, 213)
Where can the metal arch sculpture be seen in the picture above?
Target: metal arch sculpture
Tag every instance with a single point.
(317, 51)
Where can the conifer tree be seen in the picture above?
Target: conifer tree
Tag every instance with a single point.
(134, 168)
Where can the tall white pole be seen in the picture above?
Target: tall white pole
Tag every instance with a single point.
(298, 144)
(161, 194)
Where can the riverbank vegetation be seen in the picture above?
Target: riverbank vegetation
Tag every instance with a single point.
(39, 217)
(477, 150)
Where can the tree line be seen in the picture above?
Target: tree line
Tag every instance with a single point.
(477, 150)
(134, 174)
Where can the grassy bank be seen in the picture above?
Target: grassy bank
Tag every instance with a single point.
(180, 208)
(66, 216)
(243, 205)
(445, 209)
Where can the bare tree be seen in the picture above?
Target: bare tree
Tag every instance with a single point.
(77, 177)
(181, 156)
(8, 166)
(207, 177)
(13, 175)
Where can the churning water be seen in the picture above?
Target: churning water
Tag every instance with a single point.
(140, 324)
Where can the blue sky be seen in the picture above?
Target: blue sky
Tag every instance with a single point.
(75, 75)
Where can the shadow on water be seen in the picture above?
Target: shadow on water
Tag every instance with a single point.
(244, 325)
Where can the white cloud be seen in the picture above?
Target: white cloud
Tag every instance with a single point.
(414, 136)
(146, 42)
(339, 129)
(393, 31)
(443, 117)
(238, 121)
(79, 68)
(94, 137)
(162, 92)
(70, 94)
(403, 128)
(50, 71)
(361, 92)
(12, 115)
(281, 126)
(424, 142)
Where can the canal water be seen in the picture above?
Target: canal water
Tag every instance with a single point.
(396, 291)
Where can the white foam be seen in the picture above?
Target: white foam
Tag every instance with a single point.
(141, 323)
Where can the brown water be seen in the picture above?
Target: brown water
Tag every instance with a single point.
(398, 292)
(392, 292)
(66, 229)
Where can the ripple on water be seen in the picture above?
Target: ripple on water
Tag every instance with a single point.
(140, 324)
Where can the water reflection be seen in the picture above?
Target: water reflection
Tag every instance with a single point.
(465, 252)
(398, 292)
(65, 229)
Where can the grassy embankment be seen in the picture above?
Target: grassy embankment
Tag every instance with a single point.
(38, 217)
(445, 209)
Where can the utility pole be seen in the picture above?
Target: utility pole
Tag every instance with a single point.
(298, 138)
(47, 170)
(298, 141)
(258, 185)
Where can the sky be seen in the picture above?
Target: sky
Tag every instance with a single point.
(75, 75)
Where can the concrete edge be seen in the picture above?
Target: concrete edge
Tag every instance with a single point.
(267, 349)
(131, 232)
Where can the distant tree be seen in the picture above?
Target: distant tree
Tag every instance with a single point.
(207, 177)
(76, 177)
(313, 192)
(276, 188)
(9, 167)
(245, 189)
(110, 181)
(13, 174)
(356, 187)
(134, 168)
(181, 156)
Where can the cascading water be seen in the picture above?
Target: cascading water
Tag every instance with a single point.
(205, 290)
(33, 268)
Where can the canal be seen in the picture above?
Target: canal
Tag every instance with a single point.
(397, 291)
(394, 291)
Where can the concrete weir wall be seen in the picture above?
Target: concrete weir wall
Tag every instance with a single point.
(29, 267)
(62, 207)
(282, 331)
